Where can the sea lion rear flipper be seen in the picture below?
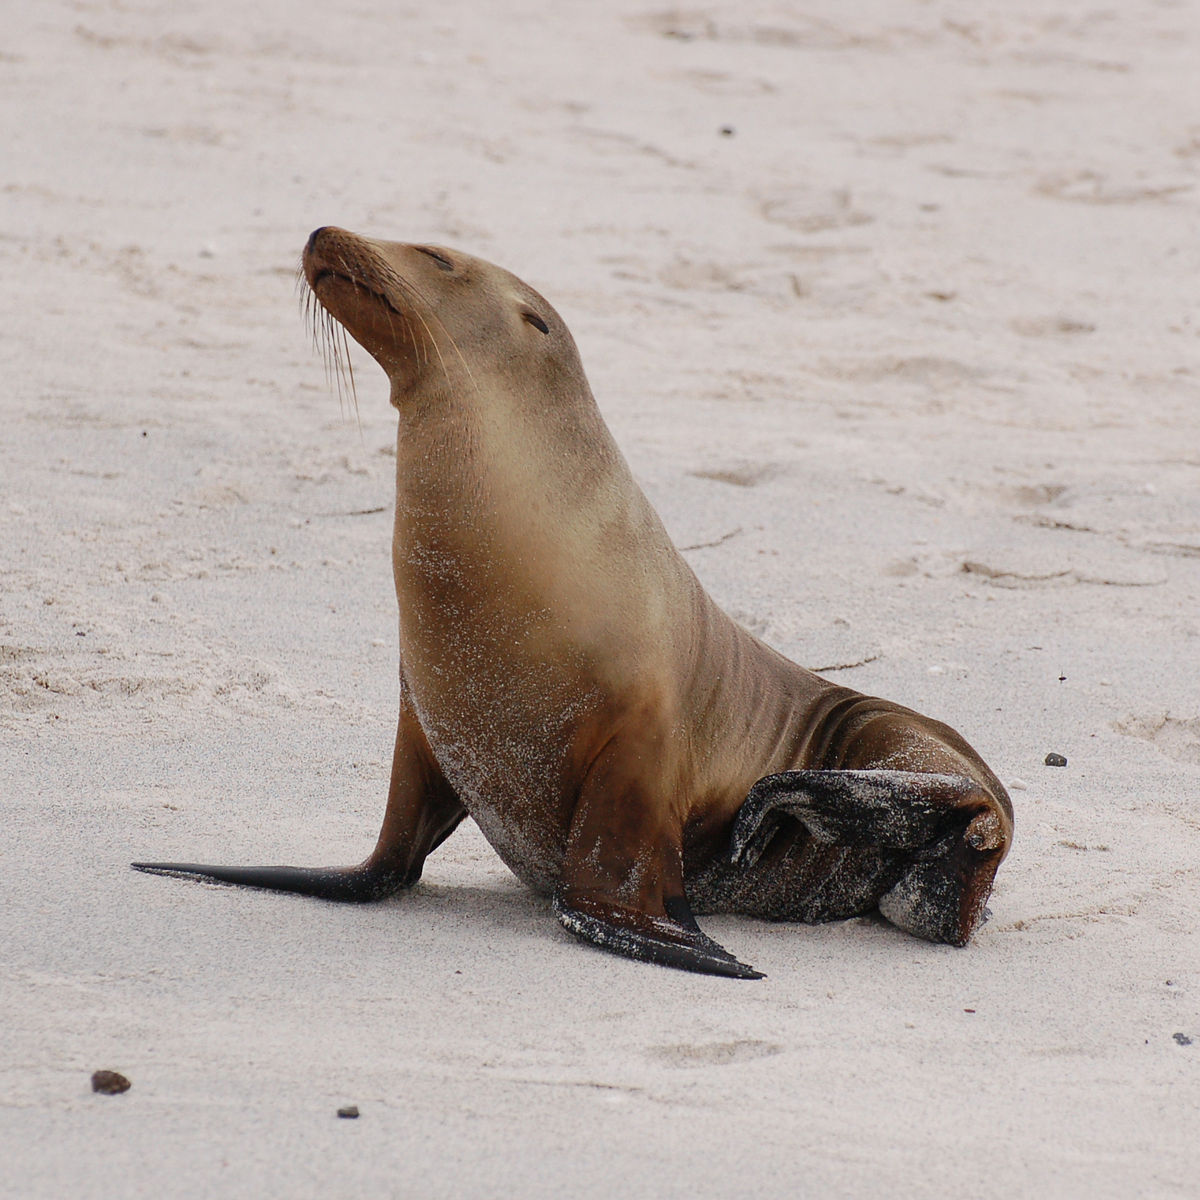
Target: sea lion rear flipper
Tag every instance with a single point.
(422, 811)
(956, 830)
(621, 886)
(896, 809)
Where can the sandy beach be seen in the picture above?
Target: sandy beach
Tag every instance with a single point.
(891, 307)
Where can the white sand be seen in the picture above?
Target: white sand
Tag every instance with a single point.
(915, 348)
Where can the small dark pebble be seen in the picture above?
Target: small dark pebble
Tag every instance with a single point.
(1182, 1039)
(109, 1083)
(350, 1111)
(1055, 760)
(727, 131)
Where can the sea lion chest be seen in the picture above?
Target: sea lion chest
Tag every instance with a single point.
(506, 700)
(533, 588)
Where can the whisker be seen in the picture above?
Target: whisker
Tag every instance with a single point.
(350, 376)
(419, 326)
(407, 286)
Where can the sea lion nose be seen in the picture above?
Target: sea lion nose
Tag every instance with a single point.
(312, 238)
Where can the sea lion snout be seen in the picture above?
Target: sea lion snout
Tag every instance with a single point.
(359, 284)
(330, 247)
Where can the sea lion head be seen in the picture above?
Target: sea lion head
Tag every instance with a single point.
(438, 321)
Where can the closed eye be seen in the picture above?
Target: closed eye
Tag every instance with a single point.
(536, 321)
(441, 260)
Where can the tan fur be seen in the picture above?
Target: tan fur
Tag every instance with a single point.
(567, 681)
(547, 624)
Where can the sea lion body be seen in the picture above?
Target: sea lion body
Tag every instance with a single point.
(567, 681)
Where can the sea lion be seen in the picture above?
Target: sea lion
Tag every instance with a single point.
(567, 681)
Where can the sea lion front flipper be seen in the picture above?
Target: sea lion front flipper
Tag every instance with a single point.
(669, 941)
(360, 883)
(621, 886)
(422, 811)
